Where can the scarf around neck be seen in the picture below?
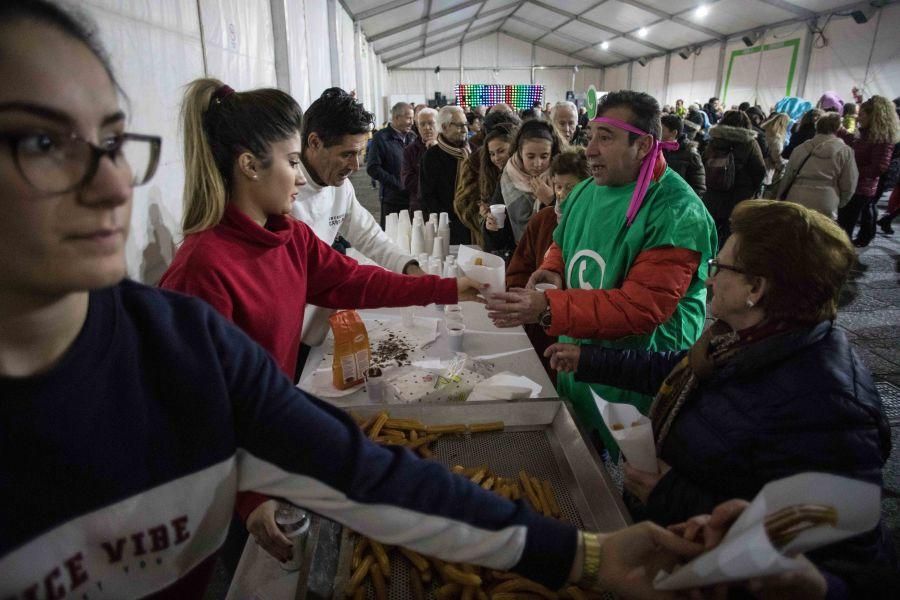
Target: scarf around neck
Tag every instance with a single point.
(515, 170)
(460, 153)
(718, 346)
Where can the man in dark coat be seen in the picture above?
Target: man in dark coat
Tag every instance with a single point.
(440, 164)
(386, 157)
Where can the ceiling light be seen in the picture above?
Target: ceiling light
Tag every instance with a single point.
(642, 32)
(702, 11)
(604, 46)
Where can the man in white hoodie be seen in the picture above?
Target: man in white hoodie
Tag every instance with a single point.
(335, 131)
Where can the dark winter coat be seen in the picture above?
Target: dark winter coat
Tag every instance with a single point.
(796, 402)
(686, 162)
(750, 170)
(437, 188)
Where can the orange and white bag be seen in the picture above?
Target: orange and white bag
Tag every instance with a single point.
(352, 354)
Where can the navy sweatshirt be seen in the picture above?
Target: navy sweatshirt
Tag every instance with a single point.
(119, 467)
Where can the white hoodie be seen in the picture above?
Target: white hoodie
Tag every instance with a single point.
(334, 210)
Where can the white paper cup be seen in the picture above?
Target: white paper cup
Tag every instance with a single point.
(409, 318)
(375, 389)
(455, 333)
(498, 211)
(638, 446)
(437, 248)
(543, 287)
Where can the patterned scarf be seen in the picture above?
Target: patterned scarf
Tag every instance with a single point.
(515, 170)
(460, 153)
(718, 345)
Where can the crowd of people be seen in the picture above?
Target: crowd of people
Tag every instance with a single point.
(748, 152)
(135, 420)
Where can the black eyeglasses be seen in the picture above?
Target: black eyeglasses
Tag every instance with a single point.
(715, 266)
(55, 163)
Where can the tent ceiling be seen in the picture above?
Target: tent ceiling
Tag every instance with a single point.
(406, 30)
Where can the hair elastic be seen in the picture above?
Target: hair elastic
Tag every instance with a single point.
(221, 93)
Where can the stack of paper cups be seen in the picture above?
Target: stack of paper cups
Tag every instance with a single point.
(433, 219)
(404, 225)
(434, 266)
(429, 236)
(444, 220)
(403, 241)
(437, 248)
(390, 226)
(423, 260)
(417, 221)
(417, 241)
(450, 269)
(418, 215)
(444, 234)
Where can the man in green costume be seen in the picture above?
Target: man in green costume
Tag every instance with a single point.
(629, 255)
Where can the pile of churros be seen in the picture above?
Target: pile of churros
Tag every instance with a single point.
(785, 525)
(372, 560)
(416, 436)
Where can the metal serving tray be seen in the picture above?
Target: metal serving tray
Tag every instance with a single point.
(540, 436)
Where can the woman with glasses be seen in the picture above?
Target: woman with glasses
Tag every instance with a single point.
(130, 416)
(772, 387)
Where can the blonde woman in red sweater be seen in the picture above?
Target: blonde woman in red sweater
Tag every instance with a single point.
(246, 256)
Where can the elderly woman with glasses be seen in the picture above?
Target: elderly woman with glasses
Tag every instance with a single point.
(772, 388)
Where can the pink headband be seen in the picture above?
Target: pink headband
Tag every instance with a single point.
(646, 173)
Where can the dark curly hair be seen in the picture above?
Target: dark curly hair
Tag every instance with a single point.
(644, 109)
(333, 115)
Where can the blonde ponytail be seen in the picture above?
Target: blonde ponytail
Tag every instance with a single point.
(218, 125)
(205, 191)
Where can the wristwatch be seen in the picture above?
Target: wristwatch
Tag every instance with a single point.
(545, 319)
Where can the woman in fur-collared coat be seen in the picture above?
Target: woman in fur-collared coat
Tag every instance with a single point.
(732, 135)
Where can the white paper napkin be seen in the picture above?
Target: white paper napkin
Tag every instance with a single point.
(505, 386)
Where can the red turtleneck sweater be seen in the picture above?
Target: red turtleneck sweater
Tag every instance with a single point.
(262, 278)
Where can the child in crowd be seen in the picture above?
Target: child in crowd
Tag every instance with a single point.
(567, 170)
(525, 185)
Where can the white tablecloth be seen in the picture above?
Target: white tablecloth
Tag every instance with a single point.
(258, 575)
(507, 349)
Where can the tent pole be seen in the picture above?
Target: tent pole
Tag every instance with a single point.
(281, 43)
(666, 78)
(718, 90)
(333, 42)
(202, 39)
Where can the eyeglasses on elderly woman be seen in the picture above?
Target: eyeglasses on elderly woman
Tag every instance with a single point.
(715, 266)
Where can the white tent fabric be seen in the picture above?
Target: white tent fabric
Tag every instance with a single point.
(855, 56)
(157, 47)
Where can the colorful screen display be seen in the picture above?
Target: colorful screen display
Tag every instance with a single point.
(517, 96)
